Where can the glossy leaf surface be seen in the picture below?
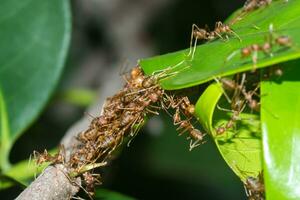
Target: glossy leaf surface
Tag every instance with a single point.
(240, 146)
(34, 38)
(222, 57)
(280, 118)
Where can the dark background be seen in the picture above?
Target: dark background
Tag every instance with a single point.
(157, 165)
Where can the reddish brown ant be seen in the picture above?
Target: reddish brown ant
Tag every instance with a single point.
(255, 188)
(198, 136)
(252, 103)
(41, 158)
(90, 181)
(183, 105)
(220, 29)
(237, 101)
(204, 34)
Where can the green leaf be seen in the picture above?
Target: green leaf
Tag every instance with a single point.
(213, 59)
(280, 121)
(104, 194)
(5, 132)
(34, 38)
(241, 148)
(78, 97)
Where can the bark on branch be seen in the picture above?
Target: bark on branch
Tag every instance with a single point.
(53, 183)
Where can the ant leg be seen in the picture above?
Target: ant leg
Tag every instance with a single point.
(136, 126)
(185, 129)
(191, 39)
(224, 109)
(254, 60)
(124, 68)
(219, 35)
(194, 144)
(224, 92)
(141, 90)
(165, 73)
(192, 43)
(255, 27)
(89, 115)
(218, 24)
(236, 35)
(194, 49)
(231, 56)
(151, 111)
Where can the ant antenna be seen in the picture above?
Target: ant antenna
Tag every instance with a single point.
(89, 115)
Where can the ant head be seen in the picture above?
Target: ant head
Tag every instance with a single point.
(135, 72)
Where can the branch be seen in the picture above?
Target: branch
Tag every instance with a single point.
(53, 183)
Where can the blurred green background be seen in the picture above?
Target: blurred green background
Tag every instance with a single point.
(158, 164)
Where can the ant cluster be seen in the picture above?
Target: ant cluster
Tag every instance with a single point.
(255, 188)
(241, 97)
(123, 115)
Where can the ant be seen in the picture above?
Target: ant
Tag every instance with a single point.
(255, 188)
(204, 34)
(185, 125)
(220, 29)
(274, 72)
(252, 103)
(194, 133)
(230, 124)
(46, 157)
(90, 181)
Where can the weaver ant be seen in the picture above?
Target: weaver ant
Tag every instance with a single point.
(240, 98)
(255, 188)
(90, 180)
(41, 158)
(183, 105)
(204, 34)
